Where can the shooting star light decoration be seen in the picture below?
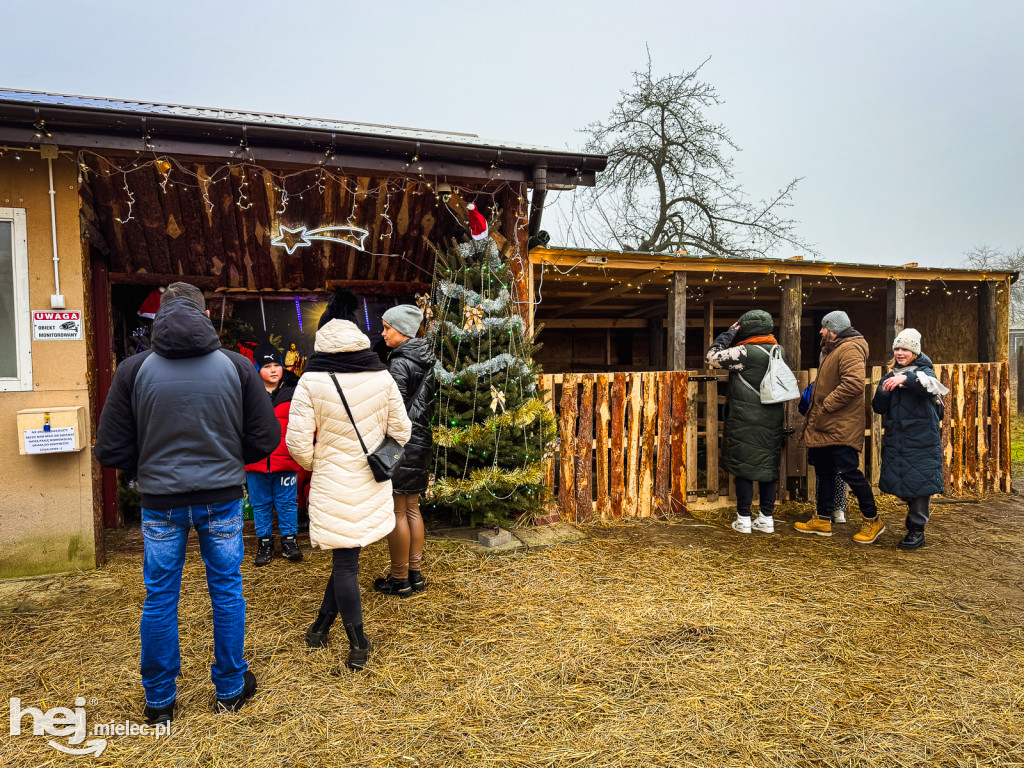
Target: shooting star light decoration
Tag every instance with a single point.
(300, 237)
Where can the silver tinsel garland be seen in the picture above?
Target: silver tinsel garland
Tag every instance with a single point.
(486, 368)
(474, 299)
(499, 323)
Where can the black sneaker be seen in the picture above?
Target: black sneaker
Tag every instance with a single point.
(290, 549)
(913, 540)
(265, 552)
(235, 703)
(418, 582)
(392, 586)
(158, 715)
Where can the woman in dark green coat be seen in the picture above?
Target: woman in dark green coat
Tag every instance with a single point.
(912, 450)
(752, 437)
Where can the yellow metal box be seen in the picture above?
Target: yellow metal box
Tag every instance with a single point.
(52, 430)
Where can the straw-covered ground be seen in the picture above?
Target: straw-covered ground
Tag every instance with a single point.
(660, 644)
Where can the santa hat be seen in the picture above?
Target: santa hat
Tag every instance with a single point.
(477, 223)
(151, 305)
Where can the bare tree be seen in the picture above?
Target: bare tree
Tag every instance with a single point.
(670, 184)
(986, 257)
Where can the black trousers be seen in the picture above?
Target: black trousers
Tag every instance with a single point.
(342, 595)
(843, 461)
(745, 496)
(917, 513)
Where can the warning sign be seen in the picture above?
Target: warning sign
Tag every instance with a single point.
(50, 440)
(55, 324)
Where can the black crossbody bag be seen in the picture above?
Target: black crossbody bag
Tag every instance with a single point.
(387, 456)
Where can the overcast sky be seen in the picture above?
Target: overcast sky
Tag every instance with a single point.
(904, 118)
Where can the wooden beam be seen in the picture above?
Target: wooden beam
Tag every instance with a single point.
(606, 294)
(657, 355)
(895, 311)
(379, 287)
(677, 322)
(709, 326)
(592, 322)
(790, 325)
(153, 278)
(790, 319)
(567, 257)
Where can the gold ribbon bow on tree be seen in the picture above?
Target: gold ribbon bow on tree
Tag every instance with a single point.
(474, 318)
(497, 398)
(423, 302)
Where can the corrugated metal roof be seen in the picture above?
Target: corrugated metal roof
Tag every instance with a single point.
(264, 118)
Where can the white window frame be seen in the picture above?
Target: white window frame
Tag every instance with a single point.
(23, 327)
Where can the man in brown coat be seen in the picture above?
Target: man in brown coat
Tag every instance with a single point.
(834, 430)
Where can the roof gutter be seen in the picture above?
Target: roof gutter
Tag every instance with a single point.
(105, 129)
(540, 192)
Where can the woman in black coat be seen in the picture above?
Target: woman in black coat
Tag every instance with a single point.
(752, 436)
(411, 363)
(909, 398)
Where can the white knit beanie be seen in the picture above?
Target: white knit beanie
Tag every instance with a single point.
(910, 339)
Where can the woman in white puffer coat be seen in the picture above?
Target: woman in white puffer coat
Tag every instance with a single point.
(348, 509)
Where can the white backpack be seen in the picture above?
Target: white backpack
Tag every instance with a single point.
(779, 384)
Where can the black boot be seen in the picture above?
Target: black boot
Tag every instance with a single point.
(290, 549)
(913, 540)
(303, 521)
(158, 715)
(236, 702)
(265, 552)
(359, 647)
(417, 581)
(316, 635)
(392, 586)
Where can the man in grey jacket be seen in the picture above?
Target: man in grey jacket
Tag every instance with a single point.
(187, 416)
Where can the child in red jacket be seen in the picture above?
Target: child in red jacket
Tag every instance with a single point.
(272, 481)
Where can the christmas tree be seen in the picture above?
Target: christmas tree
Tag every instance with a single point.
(491, 428)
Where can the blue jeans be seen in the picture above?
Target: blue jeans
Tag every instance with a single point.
(220, 541)
(268, 490)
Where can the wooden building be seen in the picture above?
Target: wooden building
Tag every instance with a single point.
(103, 201)
(607, 311)
(625, 336)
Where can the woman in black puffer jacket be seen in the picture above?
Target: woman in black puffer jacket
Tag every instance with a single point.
(411, 363)
(908, 396)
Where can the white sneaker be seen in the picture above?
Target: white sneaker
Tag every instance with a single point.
(839, 516)
(741, 525)
(764, 524)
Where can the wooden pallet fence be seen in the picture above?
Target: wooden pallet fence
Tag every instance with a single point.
(629, 442)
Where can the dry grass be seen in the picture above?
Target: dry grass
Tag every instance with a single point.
(647, 645)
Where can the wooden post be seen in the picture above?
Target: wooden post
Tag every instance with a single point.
(585, 450)
(711, 437)
(656, 328)
(993, 322)
(1020, 379)
(791, 312)
(567, 413)
(895, 311)
(602, 414)
(709, 327)
(677, 322)
(692, 427)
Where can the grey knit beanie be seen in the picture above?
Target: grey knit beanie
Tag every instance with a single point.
(837, 321)
(405, 318)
